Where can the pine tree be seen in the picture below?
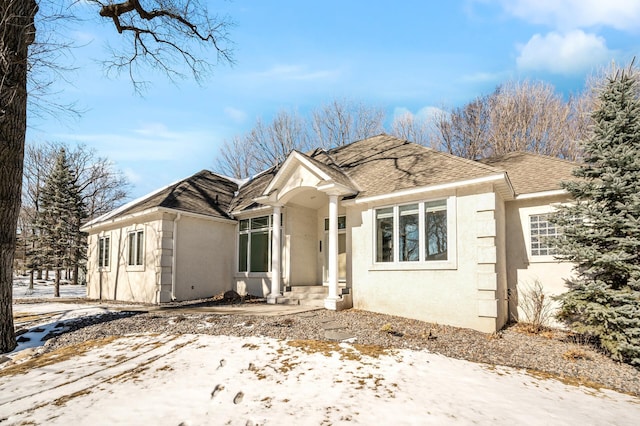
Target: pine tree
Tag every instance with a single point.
(601, 231)
(59, 221)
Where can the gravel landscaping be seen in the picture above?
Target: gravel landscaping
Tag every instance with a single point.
(553, 353)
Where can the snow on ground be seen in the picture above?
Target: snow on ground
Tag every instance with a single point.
(227, 380)
(202, 379)
(44, 289)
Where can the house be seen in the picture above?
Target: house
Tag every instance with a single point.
(381, 224)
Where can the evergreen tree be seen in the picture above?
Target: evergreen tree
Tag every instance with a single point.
(601, 231)
(61, 242)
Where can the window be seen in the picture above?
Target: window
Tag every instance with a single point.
(136, 248)
(417, 232)
(409, 234)
(103, 252)
(254, 244)
(435, 215)
(384, 235)
(541, 230)
(342, 223)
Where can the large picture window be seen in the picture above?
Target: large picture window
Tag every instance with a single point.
(417, 232)
(136, 248)
(103, 252)
(254, 244)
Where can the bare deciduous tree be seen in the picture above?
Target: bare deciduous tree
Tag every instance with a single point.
(341, 121)
(464, 131)
(517, 116)
(412, 128)
(162, 34)
(236, 158)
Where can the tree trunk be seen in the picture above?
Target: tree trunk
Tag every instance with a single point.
(31, 280)
(39, 274)
(56, 292)
(17, 34)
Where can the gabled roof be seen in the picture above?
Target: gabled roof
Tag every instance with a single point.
(374, 167)
(244, 198)
(530, 173)
(204, 193)
(385, 164)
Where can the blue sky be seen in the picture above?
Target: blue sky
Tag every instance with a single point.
(295, 55)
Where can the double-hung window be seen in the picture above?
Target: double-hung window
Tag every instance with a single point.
(254, 244)
(136, 248)
(103, 252)
(416, 232)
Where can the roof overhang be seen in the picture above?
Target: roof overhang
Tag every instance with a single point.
(91, 227)
(542, 194)
(501, 182)
(322, 181)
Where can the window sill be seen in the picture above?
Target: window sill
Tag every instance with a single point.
(414, 266)
(135, 268)
(544, 259)
(252, 275)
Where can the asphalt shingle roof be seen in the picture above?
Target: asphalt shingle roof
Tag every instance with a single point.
(204, 193)
(378, 165)
(531, 173)
(384, 164)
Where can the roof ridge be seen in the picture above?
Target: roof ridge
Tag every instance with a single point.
(532, 154)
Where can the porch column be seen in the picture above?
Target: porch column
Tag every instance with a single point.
(330, 301)
(275, 256)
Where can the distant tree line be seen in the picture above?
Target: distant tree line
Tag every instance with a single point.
(516, 116)
(62, 189)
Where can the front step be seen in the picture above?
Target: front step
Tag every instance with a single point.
(307, 295)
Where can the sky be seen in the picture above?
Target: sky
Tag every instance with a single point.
(196, 379)
(292, 55)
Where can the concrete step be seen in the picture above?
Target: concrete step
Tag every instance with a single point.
(309, 289)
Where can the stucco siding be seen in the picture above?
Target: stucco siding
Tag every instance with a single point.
(120, 281)
(449, 295)
(523, 269)
(205, 258)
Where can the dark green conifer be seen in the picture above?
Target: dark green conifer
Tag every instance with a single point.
(601, 231)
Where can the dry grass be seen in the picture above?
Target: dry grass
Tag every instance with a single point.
(576, 354)
(56, 356)
(353, 352)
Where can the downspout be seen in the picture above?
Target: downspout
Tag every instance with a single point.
(174, 256)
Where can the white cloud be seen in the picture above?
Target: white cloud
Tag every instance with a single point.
(236, 115)
(150, 142)
(571, 14)
(424, 114)
(569, 53)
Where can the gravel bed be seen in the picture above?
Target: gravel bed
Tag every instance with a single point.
(550, 354)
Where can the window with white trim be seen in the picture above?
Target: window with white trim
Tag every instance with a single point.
(254, 244)
(136, 248)
(103, 251)
(417, 232)
(541, 230)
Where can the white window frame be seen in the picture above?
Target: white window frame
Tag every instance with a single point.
(248, 231)
(421, 263)
(104, 252)
(139, 261)
(537, 258)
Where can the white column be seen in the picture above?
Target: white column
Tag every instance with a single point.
(330, 302)
(275, 256)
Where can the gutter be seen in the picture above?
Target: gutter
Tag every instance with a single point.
(174, 256)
